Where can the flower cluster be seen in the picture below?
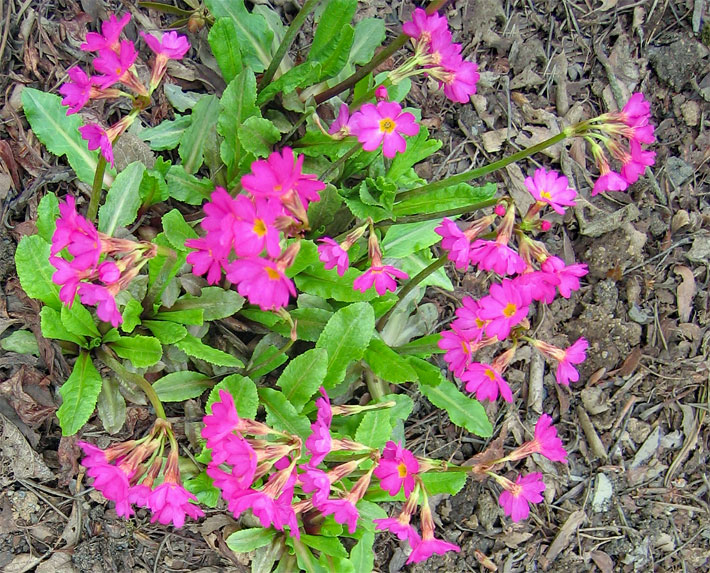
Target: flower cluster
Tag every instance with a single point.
(115, 64)
(382, 277)
(631, 124)
(125, 473)
(438, 56)
(244, 233)
(530, 274)
(100, 266)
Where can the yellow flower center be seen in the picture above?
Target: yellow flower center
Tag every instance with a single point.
(480, 323)
(387, 125)
(119, 71)
(490, 374)
(259, 227)
(545, 194)
(402, 470)
(509, 310)
(465, 347)
(273, 274)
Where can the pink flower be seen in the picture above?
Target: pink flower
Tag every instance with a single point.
(93, 455)
(109, 39)
(77, 235)
(97, 137)
(115, 67)
(636, 162)
(456, 242)
(383, 124)
(609, 181)
(458, 350)
(228, 485)
(514, 499)
(552, 188)
(382, 277)
(400, 526)
(459, 81)
(139, 495)
(331, 254)
(254, 228)
(172, 45)
(566, 359)
(68, 277)
(261, 281)
(427, 545)
(109, 272)
(425, 26)
(568, 276)
(315, 481)
(637, 110)
(486, 382)
(170, 502)
(106, 310)
(341, 126)
(223, 420)
(504, 307)
(496, 256)
(318, 443)
(109, 479)
(468, 322)
(537, 285)
(397, 469)
(238, 453)
(547, 442)
(343, 510)
(381, 93)
(209, 256)
(77, 92)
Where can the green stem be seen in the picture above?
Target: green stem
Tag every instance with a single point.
(439, 214)
(342, 159)
(288, 39)
(481, 171)
(104, 354)
(406, 289)
(161, 280)
(377, 387)
(269, 359)
(96, 189)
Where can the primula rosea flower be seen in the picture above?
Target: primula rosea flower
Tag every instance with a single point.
(458, 353)
(454, 241)
(171, 45)
(486, 382)
(538, 285)
(209, 256)
(384, 124)
(497, 257)
(609, 180)
(516, 497)
(319, 442)
(341, 126)
(77, 235)
(98, 138)
(459, 79)
(568, 276)
(107, 310)
(468, 321)
(77, 92)
(223, 420)
(331, 254)
(635, 163)
(115, 67)
(504, 307)
(315, 481)
(396, 469)
(552, 188)
(427, 545)
(400, 525)
(382, 277)
(566, 359)
(261, 281)
(546, 442)
(109, 479)
(425, 26)
(343, 511)
(170, 501)
(254, 226)
(108, 40)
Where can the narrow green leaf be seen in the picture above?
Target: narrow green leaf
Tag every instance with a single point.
(192, 316)
(331, 27)
(250, 539)
(306, 561)
(111, 406)
(142, 351)
(166, 332)
(53, 327)
(167, 134)
(281, 414)
(193, 346)
(310, 322)
(238, 102)
(215, 303)
(35, 271)
(123, 199)
(369, 35)
(153, 188)
(179, 386)
(258, 135)
(177, 230)
(188, 188)
(303, 376)
(345, 337)
(59, 132)
(439, 200)
(192, 142)
(225, 47)
(47, 214)
(242, 389)
(299, 76)
(22, 342)
(422, 347)
(79, 395)
(405, 239)
(387, 364)
(78, 320)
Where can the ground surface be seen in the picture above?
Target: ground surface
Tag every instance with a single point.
(635, 495)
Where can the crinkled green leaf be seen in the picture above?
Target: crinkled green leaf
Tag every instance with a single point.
(142, 351)
(246, 540)
(79, 395)
(201, 486)
(258, 135)
(215, 303)
(303, 376)
(419, 148)
(179, 386)
(193, 346)
(35, 271)
(193, 141)
(131, 315)
(165, 331)
(281, 414)
(47, 215)
(224, 42)
(242, 389)
(167, 134)
(238, 102)
(78, 320)
(407, 238)
(53, 327)
(375, 428)
(444, 482)
(387, 364)
(188, 188)
(111, 406)
(439, 200)
(177, 230)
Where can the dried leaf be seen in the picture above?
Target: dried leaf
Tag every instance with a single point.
(23, 460)
(564, 536)
(685, 292)
(603, 561)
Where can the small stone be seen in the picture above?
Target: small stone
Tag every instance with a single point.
(638, 430)
(700, 250)
(677, 63)
(593, 400)
(679, 220)
(691, 113)
(603, 491)
(678, 170)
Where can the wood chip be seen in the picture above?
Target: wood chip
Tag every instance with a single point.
(564, 536)
(685, 292)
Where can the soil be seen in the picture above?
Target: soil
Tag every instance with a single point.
(635, 495)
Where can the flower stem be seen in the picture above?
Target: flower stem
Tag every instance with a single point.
(105, 355)
(406, 289)
(288, 39)
(342, 159)
(438, 214)
(481, 171)
(377, 387)
(96, 189)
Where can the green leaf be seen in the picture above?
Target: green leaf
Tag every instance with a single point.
(281, 414)
(193, 346)
(166, 332)
(78, 320)
(253, 32)
(369, 34)
(179, 386)
(193, 141)
(123, 199)
(362, 556)
(444, 482)
(345, 337)
(419, 148)
(111, 406)
(167, 134)
(59, 132)
(225, 47)
(387, 364)
(299, 76)
(463, 411)
(238, 103)
(328, 545)
(79, 395)
(375, 428)
(142, 351)
(35, 271)
(439, 200)
(416, 262)
(215, 303)
(422, 347)
(188, 188)
(177, 230)
(257, 135)
(328, 284)
(131, 315)
(22, 342)
(368, 512)
(310, 322)
(305, 559)
(153, 188)
(250, 539)
(201, 486)
(321, 213)
(47, 215)
(334, 37)
(53, 327)
(303, 376)
(405, 239)
(193, 316)
(267, 356)
(242, 389)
